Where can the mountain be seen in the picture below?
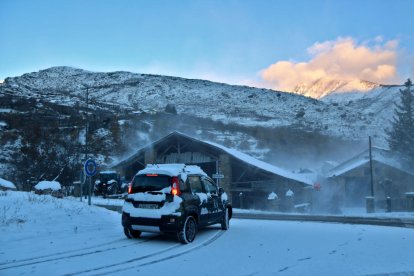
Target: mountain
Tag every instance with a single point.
(242, 105)
(127, 110)
(326, 86)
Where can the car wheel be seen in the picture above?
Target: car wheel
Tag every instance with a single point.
(114, 189)
(131, 234)
(225, 222)
(189, 230)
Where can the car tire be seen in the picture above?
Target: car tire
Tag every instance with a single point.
(114, 189)
(225, 221)
(188, 232)
(131, 234)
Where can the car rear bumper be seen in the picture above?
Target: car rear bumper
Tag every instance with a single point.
(167, 223)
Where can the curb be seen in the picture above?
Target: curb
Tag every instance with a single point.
(396, 222)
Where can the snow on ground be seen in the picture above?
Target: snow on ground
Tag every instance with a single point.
(34, 225)
(42, 235)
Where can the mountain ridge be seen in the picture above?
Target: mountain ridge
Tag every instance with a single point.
(346, 115)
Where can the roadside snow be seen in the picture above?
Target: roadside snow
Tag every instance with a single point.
(38, 225)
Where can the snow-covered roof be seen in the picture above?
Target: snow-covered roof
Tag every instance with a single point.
(44, 185)
(171, 169)
(304, 178)
(107, 172)
(378, 154)
(7, 184)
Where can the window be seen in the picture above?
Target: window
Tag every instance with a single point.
(149, 183)
(210, 186)
(184, 186)
(195, 184)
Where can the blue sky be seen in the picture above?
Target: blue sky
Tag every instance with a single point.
(228, 41)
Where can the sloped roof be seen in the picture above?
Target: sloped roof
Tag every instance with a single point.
(304, 178)
(378, 154)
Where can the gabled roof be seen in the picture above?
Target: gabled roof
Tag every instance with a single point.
(304, 178)
(378, 154)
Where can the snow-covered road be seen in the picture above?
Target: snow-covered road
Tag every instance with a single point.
(47, 236)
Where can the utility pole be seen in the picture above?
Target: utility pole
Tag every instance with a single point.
(86, 151)
(86, 144)
(370, 167)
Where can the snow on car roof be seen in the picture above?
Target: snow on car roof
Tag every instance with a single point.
(44, 185)
(6, 184)
(171, 169)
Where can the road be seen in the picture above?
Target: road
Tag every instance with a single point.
(250, 247)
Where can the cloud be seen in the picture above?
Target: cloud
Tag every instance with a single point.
(341, 59)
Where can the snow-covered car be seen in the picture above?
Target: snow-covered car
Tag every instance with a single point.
(108, 183)
(6, 185)
(49, 188)
(174, 198)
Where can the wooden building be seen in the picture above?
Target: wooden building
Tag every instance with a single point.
(247, 180)
(391, 178)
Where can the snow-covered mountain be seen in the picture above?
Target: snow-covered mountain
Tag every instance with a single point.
(325, 86)
(248, 106)
(128, 110)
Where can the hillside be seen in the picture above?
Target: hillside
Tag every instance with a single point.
(127, 110)
(138, 93)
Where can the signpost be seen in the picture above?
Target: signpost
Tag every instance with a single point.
(90, 170)
(217, 176)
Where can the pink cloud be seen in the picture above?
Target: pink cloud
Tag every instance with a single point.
(341, 59)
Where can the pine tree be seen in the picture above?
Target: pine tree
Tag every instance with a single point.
(401, 136)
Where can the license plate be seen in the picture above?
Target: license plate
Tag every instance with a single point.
(148, 206)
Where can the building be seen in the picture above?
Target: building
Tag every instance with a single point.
(248, 180)
(391, 178)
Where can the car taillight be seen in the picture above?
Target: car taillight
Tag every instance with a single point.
(130, 188)
(175, 188)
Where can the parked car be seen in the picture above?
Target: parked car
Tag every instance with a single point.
(108, 183)
(174, 198)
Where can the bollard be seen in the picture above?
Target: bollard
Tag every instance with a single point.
(388, 204)
(241, 200)
(370, 204)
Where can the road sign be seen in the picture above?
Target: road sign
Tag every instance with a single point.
(90, 167)
(217, 175)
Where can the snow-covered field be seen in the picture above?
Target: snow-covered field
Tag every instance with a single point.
(42, 235)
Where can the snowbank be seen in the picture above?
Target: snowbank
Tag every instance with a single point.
(7, 184)
(44, 185)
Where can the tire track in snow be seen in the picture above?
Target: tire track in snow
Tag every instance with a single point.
(37, 260)
(169, 257)
(62, 252)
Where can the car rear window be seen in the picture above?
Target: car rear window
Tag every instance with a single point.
(150, 182)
